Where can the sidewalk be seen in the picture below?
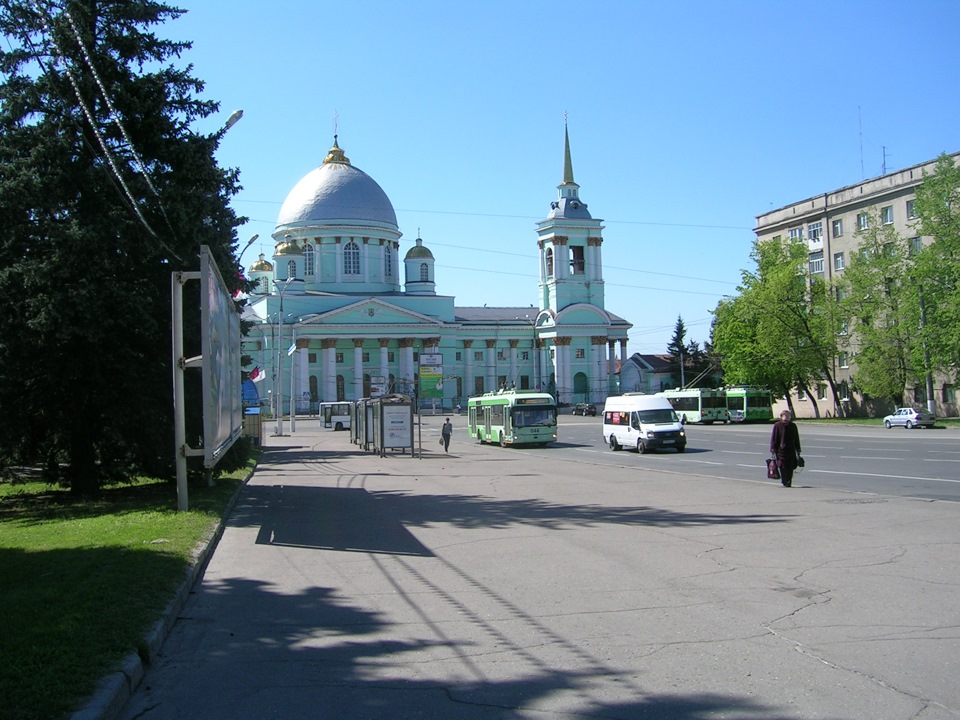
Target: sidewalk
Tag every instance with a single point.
(491, 583)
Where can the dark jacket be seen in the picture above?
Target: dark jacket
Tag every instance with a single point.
(785, 442)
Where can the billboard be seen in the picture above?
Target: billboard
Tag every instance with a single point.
(431, 382)
(220, 341)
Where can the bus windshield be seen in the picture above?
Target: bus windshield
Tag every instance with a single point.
(532, 416)
(653, 417)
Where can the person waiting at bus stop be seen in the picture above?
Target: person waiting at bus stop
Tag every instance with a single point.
(785, 446)
(445, 432)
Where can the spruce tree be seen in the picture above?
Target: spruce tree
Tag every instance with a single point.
(105, 189)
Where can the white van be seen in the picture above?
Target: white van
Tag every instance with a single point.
(642, 422)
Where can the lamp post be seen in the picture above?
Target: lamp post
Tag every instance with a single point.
(281, 287)
(245, 247)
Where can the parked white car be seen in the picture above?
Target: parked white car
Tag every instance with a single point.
(908, 418)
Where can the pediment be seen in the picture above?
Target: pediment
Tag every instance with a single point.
(370, 311)
(582, 314)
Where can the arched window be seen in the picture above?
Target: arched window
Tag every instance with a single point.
(309, 260)
(387, 261)
(549, 262)
(341, 389)
(351, 259)
(292, 269)
(265, 285)
(424, 272)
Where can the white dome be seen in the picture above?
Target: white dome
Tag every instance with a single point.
(336, 193)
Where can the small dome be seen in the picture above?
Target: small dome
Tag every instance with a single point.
(261, 265)
(418, 251)
(288, 247)
(337, 193)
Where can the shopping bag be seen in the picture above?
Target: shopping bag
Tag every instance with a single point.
(800, 461)
(773, 472)
(441, 441)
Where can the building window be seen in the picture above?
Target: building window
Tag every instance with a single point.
(351, 259)
(815, 231)
(309, 259)
(919, 393)
(886, 215)
(500, 355)
(548, 261)
(842, 360)
(843, 327)
(390, 356)
(576, 260)
(424, 272)
(459, 356)
(312, 358)
(339, 358)
(948, 394)
(838, 261)
(579, 354)
(916, 245)
(838, 228)
(365, 356)
(292, 270)
(265, 285)
(844, 390)
(478, 356)
(387, 261)
(863, 221)
(796, 233)
(911, 209)
(821, 391)
(816, 263)
(525, 355)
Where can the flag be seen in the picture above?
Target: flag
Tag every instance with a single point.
(292, 349)
(256, 374)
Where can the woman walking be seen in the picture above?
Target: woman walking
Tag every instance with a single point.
(785, 446)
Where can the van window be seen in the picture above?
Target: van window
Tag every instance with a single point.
(653, 417)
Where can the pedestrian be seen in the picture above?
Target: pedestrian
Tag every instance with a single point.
(785, 446)
(458, 408)
(445, 434)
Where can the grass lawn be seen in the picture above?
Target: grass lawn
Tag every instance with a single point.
(83, 581)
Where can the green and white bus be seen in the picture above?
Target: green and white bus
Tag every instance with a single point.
(749, 404)
(698, 405)
(513, 417)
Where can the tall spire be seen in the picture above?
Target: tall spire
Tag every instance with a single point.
(567, 162)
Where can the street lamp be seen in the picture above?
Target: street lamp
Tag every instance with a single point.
(249, 243)
(281, 287)
(232, 120)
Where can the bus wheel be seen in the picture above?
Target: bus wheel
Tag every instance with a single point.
(503, 440)
(339, 426)
(641, 447)
(614, 445)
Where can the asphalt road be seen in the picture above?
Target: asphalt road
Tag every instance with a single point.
(573, 582)
(906, 463)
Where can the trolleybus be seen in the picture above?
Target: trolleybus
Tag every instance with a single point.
(698, 405)
(513, 417)
(335, 415)
(750, 404)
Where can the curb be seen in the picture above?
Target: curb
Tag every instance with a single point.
(114, 691)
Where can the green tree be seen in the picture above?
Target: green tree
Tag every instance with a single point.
(677, 350)
(780, 331)
(879, 308)
(937, 273)
(104, 191)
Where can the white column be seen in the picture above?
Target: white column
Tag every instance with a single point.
(468, 368)
(330, 373)
(406, 367)
(384, 356)
(568, 369)
(357, 372)
(491, 370)
(365, 259)
(513, 362)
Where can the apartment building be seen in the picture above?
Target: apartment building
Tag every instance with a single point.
(828, 224)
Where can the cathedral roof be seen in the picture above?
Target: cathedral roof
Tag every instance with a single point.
(337, 193)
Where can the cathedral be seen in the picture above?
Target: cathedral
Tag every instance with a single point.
(332, 319)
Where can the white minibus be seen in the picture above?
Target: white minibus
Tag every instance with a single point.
(642, 422)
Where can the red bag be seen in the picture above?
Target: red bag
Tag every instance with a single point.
(773, 472)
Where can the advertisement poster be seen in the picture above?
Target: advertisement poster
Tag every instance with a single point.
(431, 383)
(397, 426)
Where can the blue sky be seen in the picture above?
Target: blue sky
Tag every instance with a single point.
(686, 119)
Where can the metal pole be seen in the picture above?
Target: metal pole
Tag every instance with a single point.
(293, 375)
(179, 414)
(279, 388)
